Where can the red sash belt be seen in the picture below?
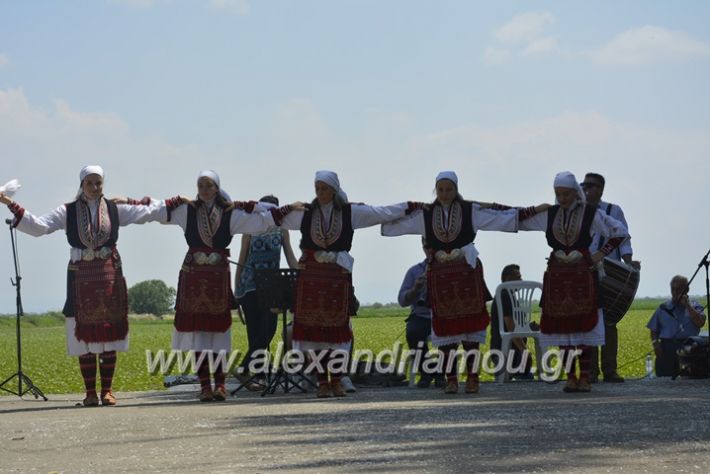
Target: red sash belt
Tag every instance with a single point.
(204, 294)
(569, 299)
(458, 297)
(323, 302)
(100, 299)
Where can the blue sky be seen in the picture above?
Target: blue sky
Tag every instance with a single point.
(385, 93)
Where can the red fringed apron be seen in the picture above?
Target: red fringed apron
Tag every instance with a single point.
(204, 295)
(569, 300)
(100, 299)
(458, 297)
(323, 300)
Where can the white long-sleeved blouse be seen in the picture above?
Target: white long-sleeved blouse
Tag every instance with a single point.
(240, 222)
(362, 216)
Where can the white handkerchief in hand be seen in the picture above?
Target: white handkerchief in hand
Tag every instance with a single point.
(10, 187)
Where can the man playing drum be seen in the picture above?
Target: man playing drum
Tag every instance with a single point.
(593, 186)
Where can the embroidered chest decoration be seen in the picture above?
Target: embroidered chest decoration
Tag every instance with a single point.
(447, 230)
(319, 235)
(208, 221)
(93, 233)
(567, 225)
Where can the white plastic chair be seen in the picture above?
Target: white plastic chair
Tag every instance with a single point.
(521, 294)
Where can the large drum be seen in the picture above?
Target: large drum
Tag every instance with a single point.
(618, 283)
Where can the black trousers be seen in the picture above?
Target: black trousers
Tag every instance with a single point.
(418, 331)
(667, 365)
(261, 326)
(609, 352)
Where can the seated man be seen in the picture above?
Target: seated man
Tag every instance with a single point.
(413, 293)
(673, 322)
(510, 273)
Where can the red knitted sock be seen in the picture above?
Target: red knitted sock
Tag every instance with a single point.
(87, 365)
(203, 372)
(471, 362)
(449, 355)
(568, 358)
(107, 366)
(585, 362)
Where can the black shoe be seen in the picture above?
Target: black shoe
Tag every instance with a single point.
(424, 381)
(440, 382)
(613, 378)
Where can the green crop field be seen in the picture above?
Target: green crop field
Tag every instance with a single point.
(46, 362)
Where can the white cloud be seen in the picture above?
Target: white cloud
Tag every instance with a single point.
(3, 60)
(541, 46)
(45, 146)
(516, 163)
(525, 27)
(524, 35)
(87, 121)
(649, 43)
(239, 7)
(495, 55)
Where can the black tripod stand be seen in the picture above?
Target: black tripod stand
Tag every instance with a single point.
(275, 289)
(703, 263)
(21, 377)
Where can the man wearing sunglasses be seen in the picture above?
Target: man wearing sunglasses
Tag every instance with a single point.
(593, 186)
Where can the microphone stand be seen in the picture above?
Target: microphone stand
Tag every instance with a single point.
(703, 263)
(21, 377)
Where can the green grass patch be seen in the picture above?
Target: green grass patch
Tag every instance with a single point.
(46, 362)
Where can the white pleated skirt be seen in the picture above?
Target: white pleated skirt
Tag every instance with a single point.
(202, 341)
(595, 337)
(75, 347)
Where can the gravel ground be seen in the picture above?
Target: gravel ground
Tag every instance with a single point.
(640, 426)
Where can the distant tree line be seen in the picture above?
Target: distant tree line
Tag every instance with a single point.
(151, 297)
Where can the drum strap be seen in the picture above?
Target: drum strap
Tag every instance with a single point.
(601, 237)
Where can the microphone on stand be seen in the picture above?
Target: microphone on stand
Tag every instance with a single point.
(8, 221)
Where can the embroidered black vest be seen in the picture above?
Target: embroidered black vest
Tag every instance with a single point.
(572, 234)
(459, 231)
(221, 238)
(72, 229)
(339, 236)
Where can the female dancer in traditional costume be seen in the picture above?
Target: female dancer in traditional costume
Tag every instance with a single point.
(96, 307)
(455, 286)
(324, 294)
(204, 298)
(571, 317)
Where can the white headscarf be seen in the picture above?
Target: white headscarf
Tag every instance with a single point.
(86, 171)
(214, 177)
(90, 169)
(565, 179)
(331, 179)
(450, 175)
